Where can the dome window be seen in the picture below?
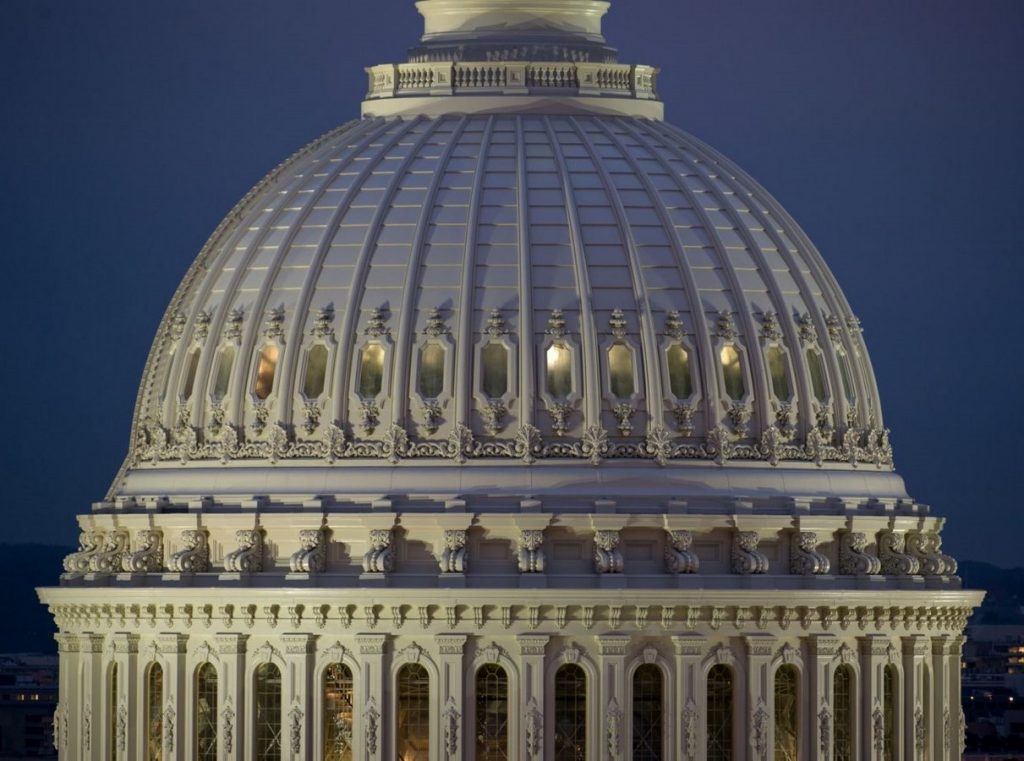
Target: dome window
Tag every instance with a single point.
(265, 371)
(337, 706)
(316, 372)
(847, 378)
(732, 372)
(680, 378)
(432, 365)
(223, 377)
(413, 711)
(371, 371)
(205, 713)
(818, 382)
(495, 370)
(558, 367)
(622, 380)
(779, 373)
(190, 375)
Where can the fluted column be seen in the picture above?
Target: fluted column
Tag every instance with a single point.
(451, 691)
(370, 698)
(611, 691)
(297, 703)
(916, 648)
(231, 696)
(531, 695)
(689, 648)
(820, 705)
(760, 732)
(874, 650)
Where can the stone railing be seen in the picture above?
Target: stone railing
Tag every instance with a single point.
(512, 78)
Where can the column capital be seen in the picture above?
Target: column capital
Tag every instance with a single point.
(298, 644)
(874, 645)
(916, 644)
(451, 644)
(230, 644)
(170, 643)
(760, 645)
(689, 644)
(66, 643)
(612, 644)
(823, 645)
(124, 642)
(371, 644)
(532, 644)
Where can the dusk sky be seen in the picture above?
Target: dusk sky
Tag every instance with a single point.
(892, 131)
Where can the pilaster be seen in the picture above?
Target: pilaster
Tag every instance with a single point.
(370, 698)
(296, 702)
(89, 738)
(611, 689)
(231, 695)
(451, 648)
(955, 726)
(531, 694)
(874, 649)
(760, 729)
(172, 648)
(916, 649)
(819, 707)
(690, 697)
(941, 714)
(66, 718)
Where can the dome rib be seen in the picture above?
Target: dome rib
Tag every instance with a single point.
(525, 320)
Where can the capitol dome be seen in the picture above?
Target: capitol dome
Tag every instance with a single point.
(509, 388)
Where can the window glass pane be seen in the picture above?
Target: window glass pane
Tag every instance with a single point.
(847, 378)
(732, 373)
(787, 713)
(267, 718)
(679, 378)
(570, 713)
(223, 377)
(491, 713)
(112, 727)
(842, 686)
(495, 367)
(620, 371)
(265, 371)
(818, 383)
(413, 713)
(719, 714)
(190, 375)
(154, 713)
(889, 686)
(431, 371)
(777, 370)
(337, 713)
(206, 713)
(647, 713)
(371, 371)
(559, 370)
(316, 372)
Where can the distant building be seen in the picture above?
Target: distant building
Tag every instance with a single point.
(993, 687)
(28, 697)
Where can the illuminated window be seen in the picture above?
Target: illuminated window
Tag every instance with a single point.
(818, 383)
(787, 713)
(413, 713)
(842, 687)
(265, 371)
(495, 370)
(890, 684)
(847, 378)
(154, 715)
(491, 713)
(647, 713)
(679, 378)
(316, 372)
(206, 713)
(112, 714)
(558, 363)
(719, 714)
(223, 377)
(190, 375)
(732, 373)
(371, 371)
(570, 713)
(431, 371)
(337, 713)
(620, 371)
(778, 373)
(267, 716)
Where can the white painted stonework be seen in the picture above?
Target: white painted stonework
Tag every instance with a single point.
(509, 372)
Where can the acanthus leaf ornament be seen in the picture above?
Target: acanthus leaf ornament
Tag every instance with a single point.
(295, 717)
(674, 326)
(594, 444)
(853, 559)
(322, 324)
(607, 557)
(380, 557)
(725, 327)
(679, 555)
(89, 543)
(451, 719)
(248, 557)
(770, 329)
(227, 723)
(453, 557)
(195, 556)
(690, 719)
(825, 733)
(759, 722)
(107, 559)
(531, 555)
(169, 734)
(311, 557)
(613, 724)
(534, 729)
(745, 557)
(371, 727)
(805, 559)
(895, 562)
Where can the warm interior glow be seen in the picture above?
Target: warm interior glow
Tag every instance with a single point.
(431, 371)
(558, 361)
(620, 371)
(778, 373)
(371, 371)
(732, 373)
(265, 371)
(316, 372)
(679, 379)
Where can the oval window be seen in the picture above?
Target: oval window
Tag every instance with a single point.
(495, 370)
(371, 371)
(732, 373)
(620, 371)
(558, 362)
(778, 373)
(224, 364)
(316, 372)
(265, 371)
(431, 371)
(190, 375)
(847, 378)
(818, 383)
(679, 379)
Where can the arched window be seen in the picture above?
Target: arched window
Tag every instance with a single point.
(779, 373)
(205, 713)
(316, 372)
(732, 373)
(371, 371)
(265, 371)
(620, 371)
(570, 713)
(495, 370)
(680, 380)
(787, 713)
(267, 716)
(558, 365)
(412, 715)
(648, 699)
(719, 714)
(890, 685)
(154, 716)
(337, 713)
(842, 687)
(491, 713)
(432, 360)
(111, 714)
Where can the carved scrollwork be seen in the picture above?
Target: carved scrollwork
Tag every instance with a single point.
(613, 724)
(825, 733)
(453, 558)
(371, 724)
(295, 723)
(311, 557)
(248, 558)
(690, 719)
(451, 719)
(925, 546)
(607, 558)
(148, 556)
(195, 557)
(759, 722)
(89, 543)
(533, 722)
(745, 557)
(624, 415)
(895, 562)
(853, 560)
(531, 555)
(380, 558)
(679, 557)
(108, 558)
(804, 559)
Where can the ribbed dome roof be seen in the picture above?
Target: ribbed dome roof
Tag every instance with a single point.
(539, 278)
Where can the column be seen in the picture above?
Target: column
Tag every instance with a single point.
(231, 695)
(760, 728)
(954, 742)
(611, 692)
(89, 739)
(175, 712)
(874, 649)
(65, 725)
(451, 693)
(531, 694)
(942, 717)
(821, 648)
(126, 723)
(296, 700)
(916, 649)
(370, 694)
(689, 648)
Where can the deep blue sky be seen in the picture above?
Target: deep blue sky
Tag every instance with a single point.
(892, 131)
